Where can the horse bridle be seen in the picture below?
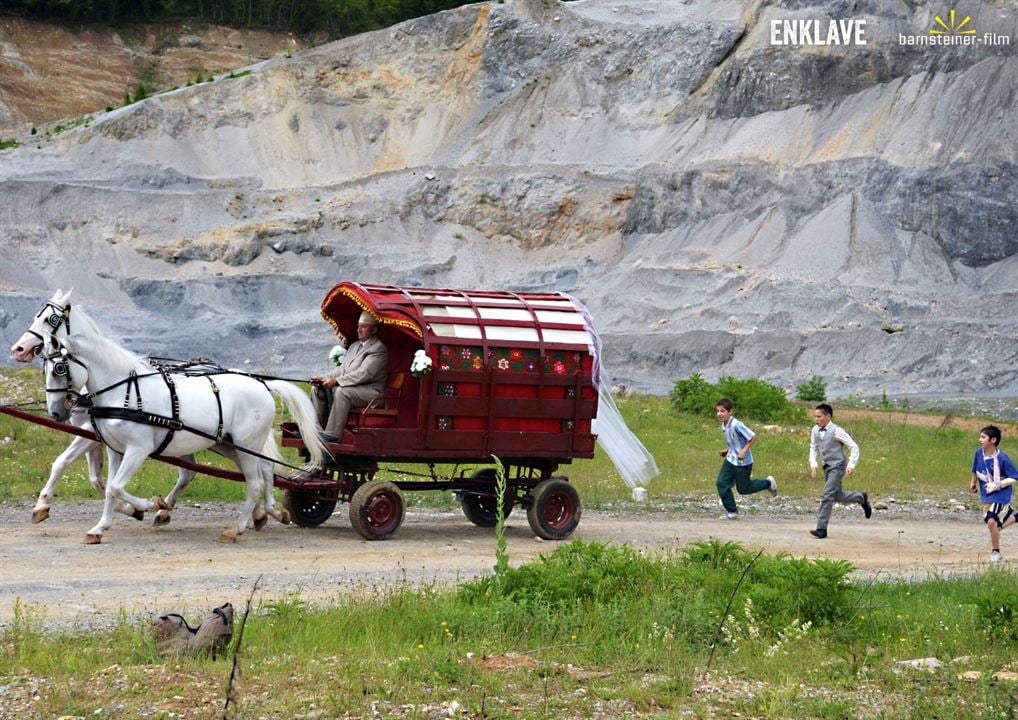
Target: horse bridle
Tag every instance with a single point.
(61, 360)
(59, 316)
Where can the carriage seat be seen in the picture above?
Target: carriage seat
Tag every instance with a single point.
(382, 410)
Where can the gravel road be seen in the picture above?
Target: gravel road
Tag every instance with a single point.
(141, 569)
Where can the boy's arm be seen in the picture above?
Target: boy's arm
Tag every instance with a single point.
(845, 439)
(745, 448)
(974, 485)
(813, 451)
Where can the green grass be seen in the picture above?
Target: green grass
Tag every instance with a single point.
(898, 459)
(589, 630)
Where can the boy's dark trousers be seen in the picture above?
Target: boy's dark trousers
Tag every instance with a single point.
(739, 476)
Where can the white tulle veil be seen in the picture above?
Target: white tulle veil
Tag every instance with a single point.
(633, 461)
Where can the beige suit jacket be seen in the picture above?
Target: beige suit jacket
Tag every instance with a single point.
(366, 365)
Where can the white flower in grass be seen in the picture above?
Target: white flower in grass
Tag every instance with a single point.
(421, 364)
(337, 354)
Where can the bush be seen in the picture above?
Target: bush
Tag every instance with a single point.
(813, 390)
(752, 397)
(694, 395)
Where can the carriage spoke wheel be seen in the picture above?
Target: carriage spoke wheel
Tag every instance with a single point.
(481, 509)
(554, 510)
(308, 509)
(377, 509)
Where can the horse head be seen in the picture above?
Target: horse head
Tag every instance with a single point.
(55, 314)
(65, 375)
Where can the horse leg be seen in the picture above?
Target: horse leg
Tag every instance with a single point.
(121, 507)
(166, 505)
(78, 447)
(282, 515)
(249, 465)
(129, 464)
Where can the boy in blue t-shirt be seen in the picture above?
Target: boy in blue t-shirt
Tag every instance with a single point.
(737, 466)
(993, 475)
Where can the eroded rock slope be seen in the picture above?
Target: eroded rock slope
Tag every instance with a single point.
(722, 205)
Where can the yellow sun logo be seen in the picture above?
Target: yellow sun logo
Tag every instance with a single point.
(952, 27)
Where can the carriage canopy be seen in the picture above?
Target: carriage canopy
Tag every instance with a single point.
(540, 320)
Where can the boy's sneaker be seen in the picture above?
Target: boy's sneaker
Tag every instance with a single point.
(730, 516)
(866, 507)
(774, 485)
(995, 556)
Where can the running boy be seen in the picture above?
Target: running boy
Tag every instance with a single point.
(831, 440)
(737, 467)
(993, 474)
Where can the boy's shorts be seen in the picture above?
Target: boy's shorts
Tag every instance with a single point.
(1000, 512)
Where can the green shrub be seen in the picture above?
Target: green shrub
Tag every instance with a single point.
(694, 395)
(4, 144)
(813, 390)
(752, 397)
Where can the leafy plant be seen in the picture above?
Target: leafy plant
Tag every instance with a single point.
(752, 397)
(501, 553)
(694, 395)
(4, 144)
(813, 390)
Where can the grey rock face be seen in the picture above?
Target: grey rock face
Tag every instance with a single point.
(723, 205)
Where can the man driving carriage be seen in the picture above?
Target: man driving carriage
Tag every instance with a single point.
(355, 383)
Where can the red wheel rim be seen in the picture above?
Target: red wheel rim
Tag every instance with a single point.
(559, 510)
(383, 511)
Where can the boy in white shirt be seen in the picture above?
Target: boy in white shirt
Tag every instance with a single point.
(831, 440)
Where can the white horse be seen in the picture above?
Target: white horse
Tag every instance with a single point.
(139, 410)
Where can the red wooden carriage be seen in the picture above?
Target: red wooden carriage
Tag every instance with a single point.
(511, 377)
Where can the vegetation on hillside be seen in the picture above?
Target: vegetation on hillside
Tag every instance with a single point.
(338, 18)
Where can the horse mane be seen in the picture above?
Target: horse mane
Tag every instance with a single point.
(120, 358)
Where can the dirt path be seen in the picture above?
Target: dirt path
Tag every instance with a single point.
(142, 569)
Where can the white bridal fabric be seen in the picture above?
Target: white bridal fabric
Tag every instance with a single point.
(633, 461)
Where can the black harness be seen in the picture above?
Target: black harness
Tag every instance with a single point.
(173, 423)
(167, 368)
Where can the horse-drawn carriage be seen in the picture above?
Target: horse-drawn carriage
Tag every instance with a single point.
(499, 378)
(511, 377)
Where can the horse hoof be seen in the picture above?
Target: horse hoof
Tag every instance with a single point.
(92, 539)
(138, 514)
(162, 518)
(228, 537)
(158, 502)
(284, 517)
(260, 523)
(39, 515)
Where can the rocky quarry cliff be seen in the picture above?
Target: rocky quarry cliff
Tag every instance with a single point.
(722, 204)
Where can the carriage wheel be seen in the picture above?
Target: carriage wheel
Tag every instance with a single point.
(554, 510)
(377, 509)
(308, 509)
(481, 509)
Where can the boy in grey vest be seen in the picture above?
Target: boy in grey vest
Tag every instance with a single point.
(831, 440)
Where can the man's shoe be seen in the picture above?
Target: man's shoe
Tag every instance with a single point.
(821, 534)
(866, 507)
(774, 485)
(730, 516)
(326, 437)
(996, 557)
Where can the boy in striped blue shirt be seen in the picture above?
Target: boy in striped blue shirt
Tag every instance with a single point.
(737, 467)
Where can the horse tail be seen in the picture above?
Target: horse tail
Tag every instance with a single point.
(299, 405)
